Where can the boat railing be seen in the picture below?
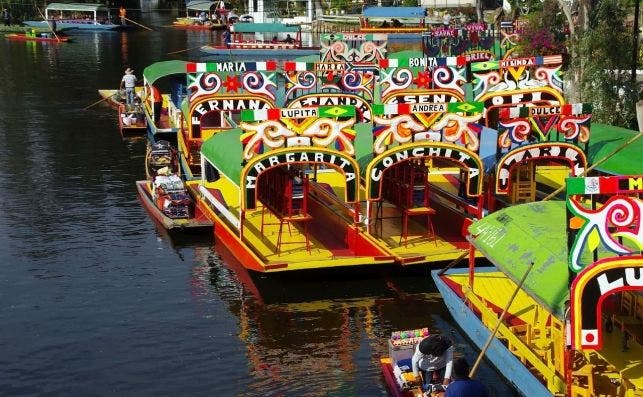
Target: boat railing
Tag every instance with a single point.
(326, 196)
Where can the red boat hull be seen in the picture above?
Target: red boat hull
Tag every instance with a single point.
(24, 37)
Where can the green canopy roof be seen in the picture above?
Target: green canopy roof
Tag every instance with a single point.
(164, 68)
(76, 7)
(199, 5)
(241, 27)
(223, 150)
(515, 236)
(605, 139)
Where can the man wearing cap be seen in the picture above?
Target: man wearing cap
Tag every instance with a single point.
(129, 82)
(433, 359)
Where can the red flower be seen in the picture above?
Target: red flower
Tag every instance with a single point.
(232, 83)
(423, 80)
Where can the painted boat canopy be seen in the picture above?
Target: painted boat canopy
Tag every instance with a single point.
(76, 7)
(161, 69)
(224, 150)
(200, 5)
(515, 236)
(605, 139)
(241, 27)
(395, 12)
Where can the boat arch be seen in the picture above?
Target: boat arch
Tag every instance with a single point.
(591, 287)
(227, 109)
(468, 160)
(341, 162)
(560, 152)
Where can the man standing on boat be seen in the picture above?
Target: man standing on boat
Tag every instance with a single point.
(129, 83)
(6, 16)
(122, 14)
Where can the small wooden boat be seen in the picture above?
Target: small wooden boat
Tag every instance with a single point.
(215, 15)
(169, 203)
(42, 37)
(132, 121)
(77, 16)
(396, 367)
(268, 40)
(159, 155)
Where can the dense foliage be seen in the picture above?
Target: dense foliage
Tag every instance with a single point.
(605, 59)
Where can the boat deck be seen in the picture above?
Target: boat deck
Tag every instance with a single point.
(610, 370)
(330, 244)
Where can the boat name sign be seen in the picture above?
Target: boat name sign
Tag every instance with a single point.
(345, 164)
(570, 153)
(468, 159)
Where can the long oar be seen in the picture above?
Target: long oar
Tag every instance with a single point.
(604, 159)
(179, 51)
(97, 102)
(500, 319)
(47, 23)
(136, 23)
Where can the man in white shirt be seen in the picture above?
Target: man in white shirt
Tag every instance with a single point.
(129, 82)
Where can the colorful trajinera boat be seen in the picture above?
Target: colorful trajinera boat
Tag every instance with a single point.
(289, 204)
(260, 41)
(76, 16)
(574, 267)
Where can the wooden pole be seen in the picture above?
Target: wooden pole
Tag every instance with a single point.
(607, 157)
(47, 22)
(97, 102)
(136, 23)
(187, 49)
(474, 368)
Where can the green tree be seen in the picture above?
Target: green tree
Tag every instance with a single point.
(603, 64)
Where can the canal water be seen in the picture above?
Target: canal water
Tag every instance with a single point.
(95, 300)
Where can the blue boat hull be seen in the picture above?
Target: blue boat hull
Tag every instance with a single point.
(506, 363)
(74, 25)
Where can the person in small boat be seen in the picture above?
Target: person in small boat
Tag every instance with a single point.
(289, 39)
(203, 18)
(122, 14)
(462, 385)
(6, 17)
(129, 83)
(433, 360)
